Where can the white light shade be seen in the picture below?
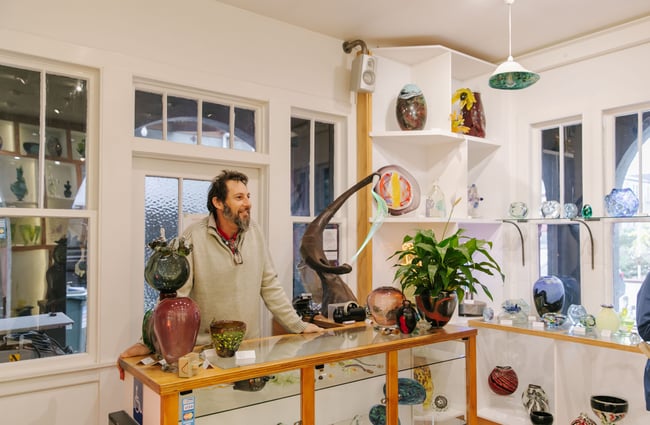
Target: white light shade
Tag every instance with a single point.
(510, 75)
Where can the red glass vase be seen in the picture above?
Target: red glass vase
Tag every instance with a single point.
(475, 118)
(503, 380)
(176, 322)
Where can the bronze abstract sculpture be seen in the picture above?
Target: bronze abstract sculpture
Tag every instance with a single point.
(335, 290)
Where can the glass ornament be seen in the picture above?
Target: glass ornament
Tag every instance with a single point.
(621, 203)
(550, 209)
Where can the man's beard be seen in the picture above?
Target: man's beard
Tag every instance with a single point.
(242, 223)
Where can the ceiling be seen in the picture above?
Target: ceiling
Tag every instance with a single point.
(475, 27)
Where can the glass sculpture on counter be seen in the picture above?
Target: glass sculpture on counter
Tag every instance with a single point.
(226, 336)
(607, 319)
(587, 211)
(621, 203)
(515, 310)
(548, 295)
(383, 304)
(175, 319)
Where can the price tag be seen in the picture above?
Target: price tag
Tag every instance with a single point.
(606, 333)
(147, 361)
(538, 325)
(505, 322)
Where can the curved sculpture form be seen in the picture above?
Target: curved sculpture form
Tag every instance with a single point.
(311, 250)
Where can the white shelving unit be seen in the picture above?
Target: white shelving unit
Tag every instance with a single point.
(434, 154)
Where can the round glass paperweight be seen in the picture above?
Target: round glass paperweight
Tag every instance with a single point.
(570, 210)
(550, 209)
(518, 210)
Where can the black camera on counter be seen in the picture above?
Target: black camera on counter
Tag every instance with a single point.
(346, 312)
(304, 306)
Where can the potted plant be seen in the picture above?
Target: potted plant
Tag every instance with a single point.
(441, 271)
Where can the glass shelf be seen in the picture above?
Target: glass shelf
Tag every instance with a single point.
(565, 333)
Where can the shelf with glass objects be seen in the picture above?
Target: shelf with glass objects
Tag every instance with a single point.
(62, 160)
(424, 365)
(415, 140)
(361, 370)
(568, 368)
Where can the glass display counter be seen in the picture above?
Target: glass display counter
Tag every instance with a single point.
(333, 377)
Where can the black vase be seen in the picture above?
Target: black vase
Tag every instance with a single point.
(437, 310)
(407, 317)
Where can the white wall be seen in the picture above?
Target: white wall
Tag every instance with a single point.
(205, 45)
(196, 43)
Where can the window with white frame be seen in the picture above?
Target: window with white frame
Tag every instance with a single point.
(313, 144)
(561, 180)
(175, 192)
(631, 236)
(47, 207)
(195, 119)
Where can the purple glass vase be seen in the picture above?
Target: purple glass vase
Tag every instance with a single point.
(176, 323)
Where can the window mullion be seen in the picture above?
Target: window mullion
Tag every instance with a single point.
(312, 168)
(164, 116)
(42, 124)
(639, 141)
(561, 164)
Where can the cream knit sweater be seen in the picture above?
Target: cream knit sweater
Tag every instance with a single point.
(224, 290)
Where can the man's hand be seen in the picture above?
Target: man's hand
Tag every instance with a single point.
(311, 328)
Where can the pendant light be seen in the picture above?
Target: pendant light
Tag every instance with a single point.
(510, 75)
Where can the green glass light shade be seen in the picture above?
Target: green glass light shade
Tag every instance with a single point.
(512, 76)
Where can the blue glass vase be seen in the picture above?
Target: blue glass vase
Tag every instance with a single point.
(621, 203)
(548, 295)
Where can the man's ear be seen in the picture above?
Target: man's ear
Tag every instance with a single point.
(217, 203)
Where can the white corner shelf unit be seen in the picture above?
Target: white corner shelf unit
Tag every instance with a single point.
(433, 154)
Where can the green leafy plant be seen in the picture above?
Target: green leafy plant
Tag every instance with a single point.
(427, 264)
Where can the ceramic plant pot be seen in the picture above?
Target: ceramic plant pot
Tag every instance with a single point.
(437, 310)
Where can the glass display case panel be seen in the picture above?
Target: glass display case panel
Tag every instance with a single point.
(353, 385)
(43, 272)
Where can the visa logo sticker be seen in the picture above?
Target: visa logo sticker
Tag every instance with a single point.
(187, 413)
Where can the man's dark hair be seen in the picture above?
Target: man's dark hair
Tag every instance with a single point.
(219, 187)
